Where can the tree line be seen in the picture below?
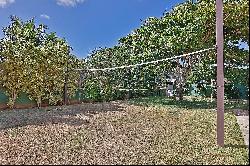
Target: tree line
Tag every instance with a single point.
(39, 63)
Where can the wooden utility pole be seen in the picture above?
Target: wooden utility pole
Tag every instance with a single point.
(220, 72)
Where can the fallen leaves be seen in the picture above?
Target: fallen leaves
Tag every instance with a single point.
(119, 134)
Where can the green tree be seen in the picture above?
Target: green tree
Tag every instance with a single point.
(186, 28)
(36, 62)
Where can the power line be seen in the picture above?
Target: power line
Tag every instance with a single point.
(151, 62)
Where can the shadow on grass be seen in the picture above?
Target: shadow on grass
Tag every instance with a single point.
(81, 113)
(236, 146)
(75, 115)
(163, 101)
(186, 103)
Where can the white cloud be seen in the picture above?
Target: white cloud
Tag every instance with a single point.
(4, 3)
(70, 3)
(45, 16)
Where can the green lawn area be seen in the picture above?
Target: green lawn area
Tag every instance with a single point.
(152, 130)
(190, 103)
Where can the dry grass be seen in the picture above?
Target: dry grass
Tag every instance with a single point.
(117, 133)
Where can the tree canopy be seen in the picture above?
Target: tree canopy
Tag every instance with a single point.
(188, 27)
(38, 63)
(34, 61)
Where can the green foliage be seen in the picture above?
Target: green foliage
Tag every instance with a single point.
(35, 62)
(39, 63)
(186, 28)
(92, 90)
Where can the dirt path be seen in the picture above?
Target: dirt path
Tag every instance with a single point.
(243, 122)
(242, 117)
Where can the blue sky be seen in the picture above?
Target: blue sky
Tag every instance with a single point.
(86, 24)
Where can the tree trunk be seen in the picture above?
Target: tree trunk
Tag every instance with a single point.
(39, 102)
(12, 99)
(179, 91)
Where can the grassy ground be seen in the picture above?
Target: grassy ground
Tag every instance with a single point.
(191, 102)
(141, 131)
